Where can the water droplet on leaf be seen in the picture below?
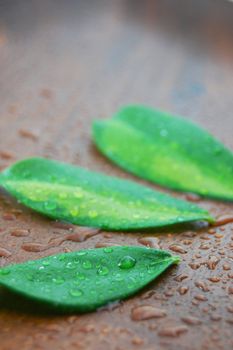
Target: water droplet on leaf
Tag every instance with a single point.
(80, 276)
(4, 272)
(108, 250)
(103, 271)
(58, 280)
(87, 265)
(127, 262)
(76, 292)
(50, 206)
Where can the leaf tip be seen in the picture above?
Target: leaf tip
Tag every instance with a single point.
(176, 259)
(211, 219)
(96, 125)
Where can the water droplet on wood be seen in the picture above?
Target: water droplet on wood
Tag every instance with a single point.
(151, 242)
(63, 226)
(177, 248)
(226, 267)
(194, 266)
(214, 279)
(107, 235)
(88, 328)
(200, 297)
(110, 306)
(183, 290)
(137, 341)
(53, 327)
(28, 134)
(46, 93)
(5, 253)
(205, 238)
(211, 231)
(218, 235)
(8, 217)
(146, 312)
(204, 246)
(202, 285)
(230, 321)
(212, 262)
(34, 247)
(187, 241)
(17, 232)
(190, 234)
(172, 331)
(169, 293)
(148, 294)
(6, 155)
(230, 309)
(180, 277)
(82, 235)
(215, 317)
(191, 320)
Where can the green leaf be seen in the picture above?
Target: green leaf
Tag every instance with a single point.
(167, 150)
(76, 195)
(87, 279)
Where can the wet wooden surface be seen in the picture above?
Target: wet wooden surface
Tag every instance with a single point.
(64, 63)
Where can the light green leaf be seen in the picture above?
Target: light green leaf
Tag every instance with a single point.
(65, 192)
(87, 279)
(167, 150)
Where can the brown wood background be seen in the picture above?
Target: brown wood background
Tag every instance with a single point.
(64, 63)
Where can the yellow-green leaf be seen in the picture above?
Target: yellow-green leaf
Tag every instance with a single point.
(66, 192)
(167, 150)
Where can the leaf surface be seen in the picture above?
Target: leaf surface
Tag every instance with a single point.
(65, 192)
(87, 279)
(167, 150)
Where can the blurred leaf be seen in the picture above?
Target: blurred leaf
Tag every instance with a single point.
(167, 150)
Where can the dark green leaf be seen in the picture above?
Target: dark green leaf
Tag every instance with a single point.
(168, 150)
(73, 194)
(87, 279)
